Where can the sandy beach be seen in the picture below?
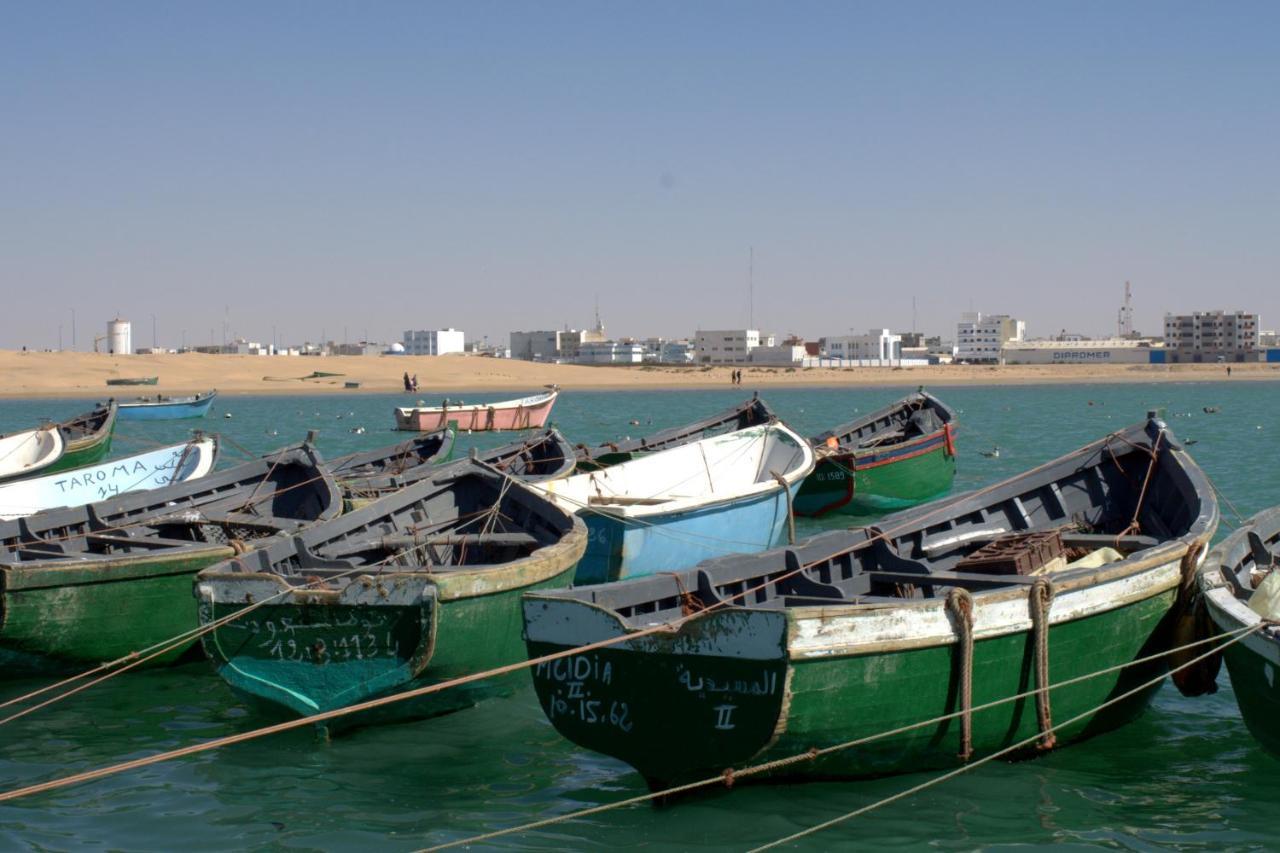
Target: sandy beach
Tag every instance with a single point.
(71, 374)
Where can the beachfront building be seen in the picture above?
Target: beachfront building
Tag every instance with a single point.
(1079, 350)
(783, 354)
(980, 337)
(728, 346)
(609, 352)
(1211, 336)
(876, 346)
(434, 342)
(553, 345)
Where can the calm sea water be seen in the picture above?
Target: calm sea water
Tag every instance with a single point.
(1185, 775)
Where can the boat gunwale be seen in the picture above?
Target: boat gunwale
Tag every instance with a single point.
(1224, 605)
(531, 401)
(842, 432)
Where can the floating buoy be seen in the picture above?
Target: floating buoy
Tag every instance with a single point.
(227, 415)
(993, 453)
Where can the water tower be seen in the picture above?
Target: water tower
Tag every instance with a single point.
(119, 337)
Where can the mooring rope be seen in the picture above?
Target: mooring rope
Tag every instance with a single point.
(1041, 598)
(960, 605)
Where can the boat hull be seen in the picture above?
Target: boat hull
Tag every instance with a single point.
(477, 418)
(166, 411)
(749, 686)
(71, 616)
(872, 484)
(386, 636)
(620, 548)
(1252, 663)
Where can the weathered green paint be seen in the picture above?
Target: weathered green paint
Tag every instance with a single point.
(270, 655)
(53, 617)
(1254, 680)
(837, 484)
(691, 716)
(88, 453)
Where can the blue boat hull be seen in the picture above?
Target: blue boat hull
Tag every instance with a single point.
(166, 411)
(618, 548)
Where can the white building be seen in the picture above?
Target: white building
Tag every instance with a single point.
(1078, 351)
(728, 346)
(786, 354)
(981, 337)
(1212, 336)
(609, 352)
(119, 337)
(877, 345)
(676, 352)
(434, 342)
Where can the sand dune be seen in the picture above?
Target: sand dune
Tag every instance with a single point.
(68, 374)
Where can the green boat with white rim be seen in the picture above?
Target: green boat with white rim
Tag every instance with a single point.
(885, 461)
(419, 587)
(854, 633)
(1241, 591)
(90, 584)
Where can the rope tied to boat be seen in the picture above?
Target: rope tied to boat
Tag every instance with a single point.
(689, 602)
(791, 513)
(1041, 598)
(1134, 526)
(960, 605)
(1190, 620)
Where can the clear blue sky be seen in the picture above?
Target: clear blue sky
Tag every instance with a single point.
(384, 166)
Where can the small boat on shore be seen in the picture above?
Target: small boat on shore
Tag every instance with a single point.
(1241, 591)
(1063, 571)
(162, 408)
(134, 380)
(525, 413)
(419, 587)
(888, 460)
(153, 469)
(662, 511)
(751, 413)
(54, 447)
(93, 583)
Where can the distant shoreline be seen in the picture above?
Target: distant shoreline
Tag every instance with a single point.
(75, 375)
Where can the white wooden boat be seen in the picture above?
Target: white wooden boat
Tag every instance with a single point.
(668, 510)
(151, 470)
(29, 451)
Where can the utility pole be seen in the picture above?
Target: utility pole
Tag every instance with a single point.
(153, 332)
(73, 330)
(751, 287)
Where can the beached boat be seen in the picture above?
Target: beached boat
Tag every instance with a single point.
(93, 583)
(419, 587)
(1073, 566)
(1240, 590)
(525, 413)
(888, 460)
(726, 494)
(751, 413)
(162, 408)
(54, 447)
(152, 469)
(134, 380)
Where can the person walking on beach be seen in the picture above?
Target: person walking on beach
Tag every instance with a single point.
(415, 383)
(1228, 371)
(408, 386)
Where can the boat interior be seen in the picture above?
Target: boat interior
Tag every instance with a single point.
(86, 425)
(1253, 554)
(281, 493)
(465, 516)
(1069, 517)
(915, 417)
(753, 412)
(396, 459)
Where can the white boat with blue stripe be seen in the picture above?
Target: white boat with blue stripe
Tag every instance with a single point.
(151, 470)
(666, 511)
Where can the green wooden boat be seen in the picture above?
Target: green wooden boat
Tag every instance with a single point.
(753, 412)
(888, 460)
(55, 447)
(90, 584)
(419, 587)
(855, 633)
(1241, 589)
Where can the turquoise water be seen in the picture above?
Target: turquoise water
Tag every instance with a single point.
(1185, 775)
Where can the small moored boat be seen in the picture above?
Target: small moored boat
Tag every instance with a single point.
(1068, 569)
(419, 587)
(134, 380)
(888, 460)
(726, 494)
(524, 413)
(153, 469)
(93, 583)
(395, 459)
(163, 408)
(1241, 591)
(751, 413)
(54, 447)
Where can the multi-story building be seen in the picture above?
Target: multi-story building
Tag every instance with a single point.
(876, 345)
(980, 337)
(1211, 336)
(553, 345)
(609, 352)
(434, 342)
(1076, 350)
(728, 346)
